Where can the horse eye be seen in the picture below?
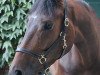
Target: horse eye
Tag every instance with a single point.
(48, 26)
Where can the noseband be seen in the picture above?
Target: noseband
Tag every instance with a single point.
(42, 57)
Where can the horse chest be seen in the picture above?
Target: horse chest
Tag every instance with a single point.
(68, 68)
(73, 64)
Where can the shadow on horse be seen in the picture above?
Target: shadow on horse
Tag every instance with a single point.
(61, 35)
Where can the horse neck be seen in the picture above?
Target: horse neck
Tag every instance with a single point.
(86, 37)
(86, 42)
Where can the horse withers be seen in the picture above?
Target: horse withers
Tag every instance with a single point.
(60, 34)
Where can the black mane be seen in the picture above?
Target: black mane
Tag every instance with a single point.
(46, 7)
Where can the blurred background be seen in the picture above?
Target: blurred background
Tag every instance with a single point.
(13, 15)
(95, 5)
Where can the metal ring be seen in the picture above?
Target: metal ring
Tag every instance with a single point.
(42, 59)
(66, 20)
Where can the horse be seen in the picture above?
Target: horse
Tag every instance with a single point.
(60, 35)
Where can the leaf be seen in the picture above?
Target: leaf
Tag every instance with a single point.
(17, 25)
(2, 36)
(7, 54)
(2, 63)
(12, 4)
(29, 5)
(4, 19)
(8, 7)
(9, 13)
(7, 44)
(12, 26)
(0, 43)
(22, 1)
(3, 1)
(0, 1)
(23, 12)
(18, 14)
(8, 50)
(1, 8)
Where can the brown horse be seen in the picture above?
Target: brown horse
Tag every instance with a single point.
(62, 30)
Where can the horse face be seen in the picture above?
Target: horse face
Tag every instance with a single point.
(41, 32)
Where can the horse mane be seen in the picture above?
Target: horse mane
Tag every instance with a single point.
(84, 20)
(47, 7)
(77, 8)
(81, 14)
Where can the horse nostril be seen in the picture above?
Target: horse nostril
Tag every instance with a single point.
(40, 73)
(18, 72)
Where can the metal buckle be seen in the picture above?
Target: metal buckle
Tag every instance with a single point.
(42, 59)
(66, 22)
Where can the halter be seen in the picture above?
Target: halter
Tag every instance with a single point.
(42, 57)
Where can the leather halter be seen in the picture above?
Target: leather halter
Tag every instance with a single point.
(41, 57)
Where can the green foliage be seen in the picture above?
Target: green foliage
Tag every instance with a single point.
(12, 26)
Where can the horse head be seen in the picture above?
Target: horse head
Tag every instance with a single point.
(49, 35)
